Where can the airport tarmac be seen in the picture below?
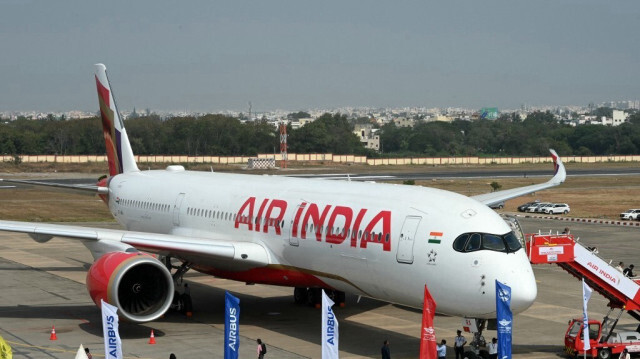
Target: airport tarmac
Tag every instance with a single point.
(42, 285)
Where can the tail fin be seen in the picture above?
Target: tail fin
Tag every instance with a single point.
(119, 153)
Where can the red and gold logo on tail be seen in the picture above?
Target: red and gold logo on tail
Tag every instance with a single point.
(111, 134)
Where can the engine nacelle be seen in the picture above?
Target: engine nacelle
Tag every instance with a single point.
(138, 284)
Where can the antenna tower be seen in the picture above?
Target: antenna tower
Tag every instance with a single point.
(283, 145)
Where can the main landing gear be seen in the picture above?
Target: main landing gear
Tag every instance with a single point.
(313, 296)
(181, 302)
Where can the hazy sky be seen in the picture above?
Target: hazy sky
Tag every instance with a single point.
(217, 55)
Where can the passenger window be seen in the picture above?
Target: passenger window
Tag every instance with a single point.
(474, 243)
(493, 242)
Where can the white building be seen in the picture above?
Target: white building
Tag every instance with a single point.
(404, 122)
(619, 117)
(368, 136)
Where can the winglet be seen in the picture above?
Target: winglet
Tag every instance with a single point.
(560, 174)
(119, 151)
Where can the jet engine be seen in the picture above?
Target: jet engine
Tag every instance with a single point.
(139, 285)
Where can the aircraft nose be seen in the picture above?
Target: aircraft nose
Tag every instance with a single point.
(523, 288)
(523, 294)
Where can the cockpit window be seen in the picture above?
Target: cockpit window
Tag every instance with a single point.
(474, 243)
(470, 242)
(460, 242)
(493, 242)
(512, 241)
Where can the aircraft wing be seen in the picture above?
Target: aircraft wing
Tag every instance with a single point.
(496, 197)
(87, 188)
(230, 254)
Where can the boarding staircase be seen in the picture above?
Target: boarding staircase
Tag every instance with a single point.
(582, 262)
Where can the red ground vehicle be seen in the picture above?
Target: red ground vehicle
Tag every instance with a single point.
(605, 343)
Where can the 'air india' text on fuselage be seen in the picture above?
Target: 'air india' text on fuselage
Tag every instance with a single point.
(333, 224)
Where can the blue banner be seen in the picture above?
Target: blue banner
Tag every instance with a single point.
(231, 326)
(505, 320)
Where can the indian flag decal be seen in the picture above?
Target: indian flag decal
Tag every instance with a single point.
(435, 237)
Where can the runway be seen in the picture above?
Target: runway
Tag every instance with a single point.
(43, 285)
(471, 173)
(428, 173)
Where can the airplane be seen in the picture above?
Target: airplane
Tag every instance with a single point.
(383, 241)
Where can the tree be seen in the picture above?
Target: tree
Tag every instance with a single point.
(495, 186)
(603, 112)
(329, 133)
(298, 115)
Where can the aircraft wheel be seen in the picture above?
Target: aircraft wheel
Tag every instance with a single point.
(314, 296)
(604, 353)
(470, 355)
(300, 295)
(340, 298)
(177, 304)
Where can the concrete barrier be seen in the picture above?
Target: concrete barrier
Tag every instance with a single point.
(316, 157)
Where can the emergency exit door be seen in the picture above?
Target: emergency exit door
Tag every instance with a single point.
(176, 209)
(293, 233)
(406, 240)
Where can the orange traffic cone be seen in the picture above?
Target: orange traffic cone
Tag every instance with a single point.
(152, 339)
(53, 335)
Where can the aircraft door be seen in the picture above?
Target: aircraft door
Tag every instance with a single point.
(176, 209)
(406, 240)
(295, 230)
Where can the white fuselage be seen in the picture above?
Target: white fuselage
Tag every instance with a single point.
(379, 240)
